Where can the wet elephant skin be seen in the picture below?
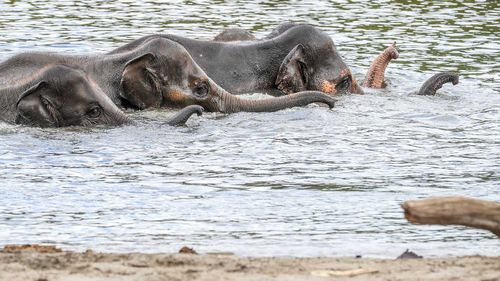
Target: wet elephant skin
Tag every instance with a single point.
(297, 57)
(157, 73)
(58, 96)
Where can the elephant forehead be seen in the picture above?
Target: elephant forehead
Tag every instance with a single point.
(90, 87)
(330, 69)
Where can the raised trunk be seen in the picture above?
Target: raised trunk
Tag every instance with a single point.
(229, 103)
(436, 82)
(376, 73)
(182, 116)
(455, 210)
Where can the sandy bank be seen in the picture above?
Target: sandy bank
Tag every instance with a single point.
(68, 266)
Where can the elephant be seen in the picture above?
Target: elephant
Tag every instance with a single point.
(374, 77)
(376, 74)
(234, 34)
(281, 28)
(240, 34)
(298, 58)
(158, 73)
(57, 96)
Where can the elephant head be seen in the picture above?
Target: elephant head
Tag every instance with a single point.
(314, 64)
(164, 74)
(63, 96)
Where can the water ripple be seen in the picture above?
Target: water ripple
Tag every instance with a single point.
(296, 182)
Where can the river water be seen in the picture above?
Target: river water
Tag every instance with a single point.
(304, 181)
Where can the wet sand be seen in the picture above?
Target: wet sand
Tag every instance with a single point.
(71, 266)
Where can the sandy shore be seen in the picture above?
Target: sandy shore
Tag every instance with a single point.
(70, 266)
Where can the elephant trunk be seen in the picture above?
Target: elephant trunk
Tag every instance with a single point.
(117, 118)
(229, 103)
(182, 116)
(436, 82)
(375, 75)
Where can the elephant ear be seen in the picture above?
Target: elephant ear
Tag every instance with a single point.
(292, 75)
(35, 88)
(140, 85)
(37, 103)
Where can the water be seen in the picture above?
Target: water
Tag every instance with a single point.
(304, 181)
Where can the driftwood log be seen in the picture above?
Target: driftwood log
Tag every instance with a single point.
(455, 210)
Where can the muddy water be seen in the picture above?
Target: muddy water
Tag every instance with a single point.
(304, 181)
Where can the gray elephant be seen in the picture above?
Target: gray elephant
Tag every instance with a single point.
(157, 73)
(296, 57)
(374, 77)
(58, 96)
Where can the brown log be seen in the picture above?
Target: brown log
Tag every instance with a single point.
(455, 210)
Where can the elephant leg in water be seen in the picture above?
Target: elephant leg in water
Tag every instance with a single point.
(376, 74)
(437, 81)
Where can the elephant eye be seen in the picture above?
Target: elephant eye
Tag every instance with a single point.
(344, 84)
(94, 112)
(201, 89)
